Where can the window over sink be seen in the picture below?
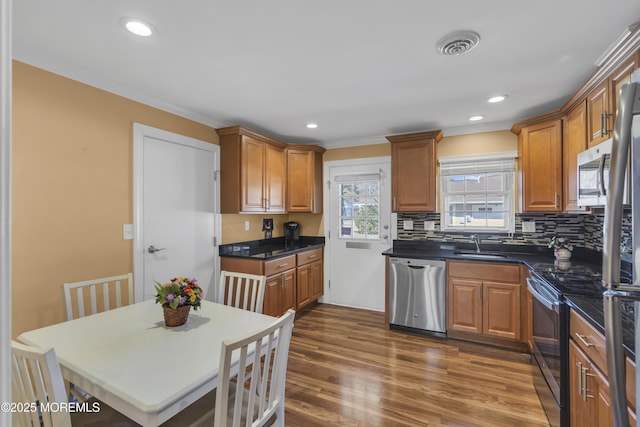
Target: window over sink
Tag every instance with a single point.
(477, 192)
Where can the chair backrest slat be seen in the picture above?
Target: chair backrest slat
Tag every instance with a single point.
(112, 291)
(242, 290)
(36, 378)
(263, 356)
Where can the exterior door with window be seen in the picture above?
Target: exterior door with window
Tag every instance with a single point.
(358, 231)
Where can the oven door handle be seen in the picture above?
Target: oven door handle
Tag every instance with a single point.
(549, 304)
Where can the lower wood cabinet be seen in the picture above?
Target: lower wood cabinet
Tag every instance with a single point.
(293, 281)
(590, 402)
(280, 293)
(485, 300)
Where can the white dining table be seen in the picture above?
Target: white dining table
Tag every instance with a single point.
(131, 361)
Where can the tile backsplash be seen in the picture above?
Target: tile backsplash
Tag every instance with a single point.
(583, 230)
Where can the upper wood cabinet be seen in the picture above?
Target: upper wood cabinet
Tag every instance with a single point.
(602, 102)
(574, 142)
(619, 77)
(252, 172)
(304, 178)
(540, 161)
(599, 117)
(413, 171)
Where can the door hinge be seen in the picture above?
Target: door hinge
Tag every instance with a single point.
(329, 184)
(215, 241)
(215, 175)
(329, 284)
(329, 234)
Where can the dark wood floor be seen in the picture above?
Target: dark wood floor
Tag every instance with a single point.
(347, 369)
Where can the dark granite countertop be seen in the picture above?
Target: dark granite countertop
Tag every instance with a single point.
(266, 249)
(593, 311)
(584, 295)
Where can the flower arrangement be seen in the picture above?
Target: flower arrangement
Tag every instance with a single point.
(560, 243)
(180, 291)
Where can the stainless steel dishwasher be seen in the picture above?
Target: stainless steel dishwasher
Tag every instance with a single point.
(417, 294)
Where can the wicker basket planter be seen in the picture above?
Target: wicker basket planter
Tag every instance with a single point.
(177, 316)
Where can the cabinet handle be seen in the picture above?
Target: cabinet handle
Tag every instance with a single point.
(283, 265)
(394, 203)
(601, 124)
(579, 364)
(312, 256)
(556, 199)
(586, 390)
(584, 340)
(605, 122)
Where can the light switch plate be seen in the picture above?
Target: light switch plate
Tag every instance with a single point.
(528, 226)
(407, 224)
(127, 231)
(429, 225)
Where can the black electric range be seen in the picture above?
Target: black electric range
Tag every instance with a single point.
(570, 279)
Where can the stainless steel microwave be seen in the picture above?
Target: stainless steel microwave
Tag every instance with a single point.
(593, 175)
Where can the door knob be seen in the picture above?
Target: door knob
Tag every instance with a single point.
(152, 249)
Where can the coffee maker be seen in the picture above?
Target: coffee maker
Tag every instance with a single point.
(291, 232)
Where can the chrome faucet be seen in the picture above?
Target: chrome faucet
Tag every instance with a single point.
(476, 240)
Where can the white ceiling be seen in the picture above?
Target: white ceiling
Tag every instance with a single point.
(361, 69)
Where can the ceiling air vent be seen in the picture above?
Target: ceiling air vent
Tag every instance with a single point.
(458, 43)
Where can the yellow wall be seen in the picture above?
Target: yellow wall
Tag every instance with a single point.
(348, 153)
(478, 143)
(72, 187)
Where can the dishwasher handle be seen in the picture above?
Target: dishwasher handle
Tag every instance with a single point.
(418, 267)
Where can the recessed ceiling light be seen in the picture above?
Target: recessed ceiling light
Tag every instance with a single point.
(498, 98)
(311, 125)
(476, 118)
(138, 27)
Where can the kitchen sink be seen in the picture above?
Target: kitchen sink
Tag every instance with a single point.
(480, 255)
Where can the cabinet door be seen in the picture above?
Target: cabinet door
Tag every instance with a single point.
(252, 166)
(464, 305)
(272, 296)
(288, 290)
(599, 117)
(541, 149)
(621, 76)
(300, 180)
(574, 142)
(275, 178)
(501, 310)
(303, 296)
(317, 283)
(413, 175)
(581, 411)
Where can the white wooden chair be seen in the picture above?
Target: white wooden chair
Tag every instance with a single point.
(104, 294)
(242, 290)
(261, 395)
(36, 380)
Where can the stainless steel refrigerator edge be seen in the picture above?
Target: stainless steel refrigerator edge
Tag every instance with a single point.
(417, 294)
(625, 153)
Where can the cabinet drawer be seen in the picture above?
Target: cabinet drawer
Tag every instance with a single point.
(309, 256)
(484, 271)
(279, 265)
(589, 340)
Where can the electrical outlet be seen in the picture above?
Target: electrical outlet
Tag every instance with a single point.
(246, 226)
(407, 224)
(429, 225)
(528, 226)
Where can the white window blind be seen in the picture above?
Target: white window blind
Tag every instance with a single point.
(477, 192)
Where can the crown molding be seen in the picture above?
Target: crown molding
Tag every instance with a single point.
(86, 77)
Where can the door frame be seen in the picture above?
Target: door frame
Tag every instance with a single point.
(141, 131)
(367, 161)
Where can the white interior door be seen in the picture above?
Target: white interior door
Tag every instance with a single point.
(358, 227)
(176, 221)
